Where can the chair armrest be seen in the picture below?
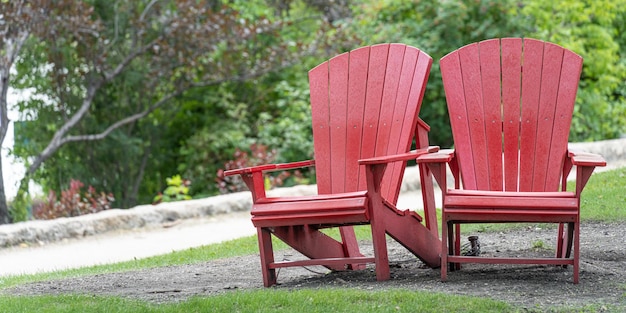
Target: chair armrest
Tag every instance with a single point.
(442, 156)
(585, 164)
(270, 167)
(586, 159)
(411, 155)
(253, 176)
(437, 163)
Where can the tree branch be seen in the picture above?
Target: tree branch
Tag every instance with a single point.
(108, 76)
(145, 11)
(122, 122)
(57, 139)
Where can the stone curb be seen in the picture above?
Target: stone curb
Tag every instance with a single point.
(44, 231)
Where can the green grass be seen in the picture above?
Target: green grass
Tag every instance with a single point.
(604, 197)
(604, 200)
(303, 300)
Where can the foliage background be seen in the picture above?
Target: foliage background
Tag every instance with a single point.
(198, 131)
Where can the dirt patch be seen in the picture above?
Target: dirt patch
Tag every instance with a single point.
(602, 275)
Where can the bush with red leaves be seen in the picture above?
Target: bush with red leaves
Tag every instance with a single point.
(72, 202)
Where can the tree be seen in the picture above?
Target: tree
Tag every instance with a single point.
(18, 20)
(12, 37)
(593, 29)
(169, 46)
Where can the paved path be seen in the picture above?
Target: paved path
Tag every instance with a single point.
(127, 245)
(120, 246)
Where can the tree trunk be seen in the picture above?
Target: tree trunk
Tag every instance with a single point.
(5, 218)
(133, 197)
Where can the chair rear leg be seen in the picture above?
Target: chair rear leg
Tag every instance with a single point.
(569, 239)
(565, 241)
(445, 240)
(559, 241)
(576, 233)
(457, 245)
(267, 256)
(451, 244)
(350, 246)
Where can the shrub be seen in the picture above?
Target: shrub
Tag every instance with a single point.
(72, 202)
(177, 190)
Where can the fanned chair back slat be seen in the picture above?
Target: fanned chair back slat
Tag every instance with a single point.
(510, 103)
(360, 101)
(511, 94)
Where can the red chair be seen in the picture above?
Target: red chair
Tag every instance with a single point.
(510, 103)
(364, 107)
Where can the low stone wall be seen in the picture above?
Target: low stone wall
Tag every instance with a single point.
(44, 231)
(34, 232)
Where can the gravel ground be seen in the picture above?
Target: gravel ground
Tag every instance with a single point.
(535, 287)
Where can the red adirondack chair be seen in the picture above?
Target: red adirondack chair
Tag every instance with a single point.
(364, 107)
(510, 103)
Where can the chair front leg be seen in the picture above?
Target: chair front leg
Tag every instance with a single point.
(451, 243)
(267, 256)
(576, 231)
(374, 174)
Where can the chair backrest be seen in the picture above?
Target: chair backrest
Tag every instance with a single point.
(365, 103)
(510, 103)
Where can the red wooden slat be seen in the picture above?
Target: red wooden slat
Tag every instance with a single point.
(390, 90)
(345, 195)
(512, 216)
(450, 66)
(323, 261)
(375, 82)
(331, 218)
(550, 77)
(557, 194)
(318, 86)
(322, 206)
(470, 69)
(484, 202)
(570, 75)
(511, 93)
(531, 85)
(401, 102)
(398, 137)
(504, 260)
(492, 104)
(414, 101)
(420, 78)
(338, 106)
(357, 85)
